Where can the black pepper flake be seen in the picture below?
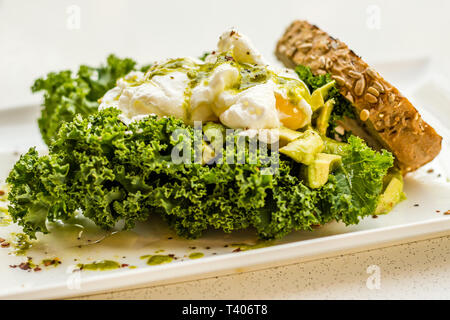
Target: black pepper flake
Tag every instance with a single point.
(192, 248)
(169, 238)
(24, 266)
(37, 269)
(237, 250)
(171, 255)
(232, 33)
(374, 216)
(439, 175)
(207, 248)
(229, 58)
(430, 170)
(124, 265)
(416, 205)
(248, 52)
(225, 246)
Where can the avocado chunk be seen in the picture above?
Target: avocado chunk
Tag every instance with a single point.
(316, 174)
(392, 194)
(287, 135)
(324, 117)
(334, 147)
(319, 95)
(215, 133)
(208, 154)
(305, 148)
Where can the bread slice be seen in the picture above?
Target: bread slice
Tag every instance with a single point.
(383, 111)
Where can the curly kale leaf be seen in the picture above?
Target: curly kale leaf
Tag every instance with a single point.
(112, 172)
(353, 190)
(66, 95)
(289, 206)
(39, 192)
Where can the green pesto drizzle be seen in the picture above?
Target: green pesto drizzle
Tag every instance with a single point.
(196, 255)
(157, 259)
(20, 243)
(5, 219)
(250, 74)
(245, 246)
(100, 265)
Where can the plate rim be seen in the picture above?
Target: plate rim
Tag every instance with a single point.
(257, 259)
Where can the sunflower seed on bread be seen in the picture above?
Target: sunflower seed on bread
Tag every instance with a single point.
(382, 110)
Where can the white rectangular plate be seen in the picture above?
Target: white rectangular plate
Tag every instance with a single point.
(420, 216)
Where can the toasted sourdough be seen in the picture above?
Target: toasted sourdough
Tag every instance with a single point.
(383, 111)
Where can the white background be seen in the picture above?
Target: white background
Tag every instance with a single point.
(37, 37)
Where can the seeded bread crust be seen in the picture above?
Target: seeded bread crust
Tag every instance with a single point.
(382, 109)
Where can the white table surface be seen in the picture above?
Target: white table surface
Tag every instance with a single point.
(415, 270)
(40, 36)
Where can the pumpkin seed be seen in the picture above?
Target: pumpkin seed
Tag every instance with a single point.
(378, 86)
(373, 91)
(350, 97)
(364, 114)
(322, 61)
(340, 81)
(305, 47)
(370, 98)
(360, 86)
(353, 74)
(371, 73)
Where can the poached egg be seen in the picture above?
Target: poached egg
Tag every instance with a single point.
(234, 86)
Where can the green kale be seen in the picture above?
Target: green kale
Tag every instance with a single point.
(313, 82)
(342, 107)
(66, 95)
(204, 55)
(112, 172)
(353, 190)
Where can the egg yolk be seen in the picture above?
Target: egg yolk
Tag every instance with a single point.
(290, 115)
